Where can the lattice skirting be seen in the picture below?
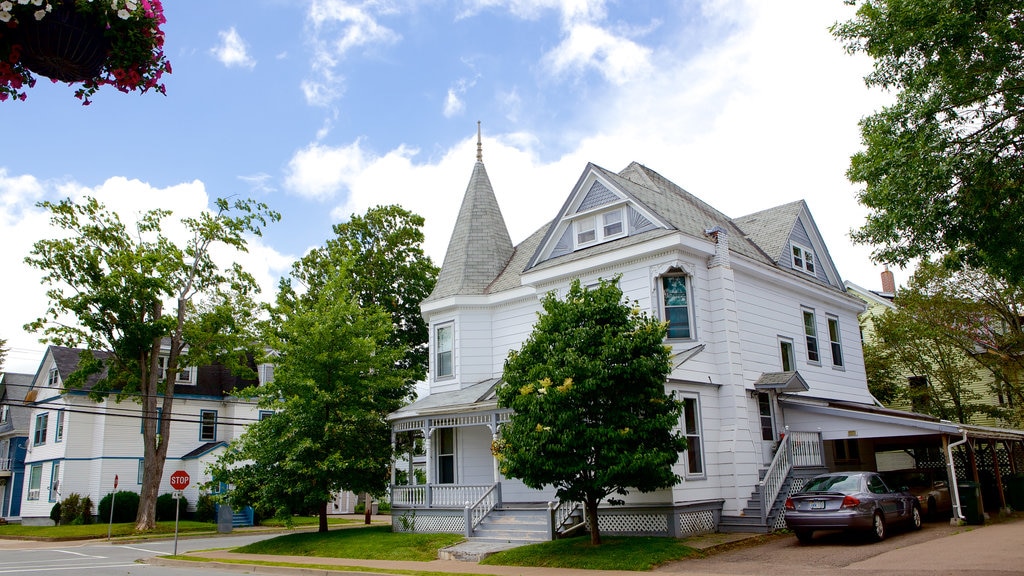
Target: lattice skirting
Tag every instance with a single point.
(697, 522)
(633, 523)
(427, 521)
(794, 487)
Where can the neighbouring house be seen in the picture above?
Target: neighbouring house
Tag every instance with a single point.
(14, 425)
(766, 343)
(77, 445)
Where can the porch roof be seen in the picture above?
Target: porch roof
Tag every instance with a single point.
(475, 397)
(840, 420)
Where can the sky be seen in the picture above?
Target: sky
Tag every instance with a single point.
(325, 108)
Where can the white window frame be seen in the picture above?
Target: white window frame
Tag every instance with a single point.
(598, 227)
(835, 340)
(5, 413)
(787, 357)
(142, 471)
(697, 433)
(811, 335)
(803, 258)
(688, 286)
(438, 329)
(446, 455)
(53, 378)
(184, 376)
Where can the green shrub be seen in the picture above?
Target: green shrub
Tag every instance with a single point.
(165, 507)
(126, 506)
(206, 509)
(87, 510)
(71, 509)
(55, 513)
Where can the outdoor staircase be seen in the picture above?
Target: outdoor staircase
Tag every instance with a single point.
(750, 518)
(240, 518)
(514, 525)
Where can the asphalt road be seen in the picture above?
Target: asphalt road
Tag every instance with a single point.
(937, 549)
(107, 559)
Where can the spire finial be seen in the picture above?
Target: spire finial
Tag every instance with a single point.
(479, 144)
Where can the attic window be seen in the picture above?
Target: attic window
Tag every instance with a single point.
(600, 227)
(53, 379)
(803, 259)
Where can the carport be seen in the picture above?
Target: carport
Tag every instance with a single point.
(854, 434)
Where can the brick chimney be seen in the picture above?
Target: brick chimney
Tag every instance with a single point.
(888, 282)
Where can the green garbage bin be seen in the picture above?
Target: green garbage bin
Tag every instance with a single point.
(1015, 491)
(970, 501)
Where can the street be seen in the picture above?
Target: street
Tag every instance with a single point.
(113, 559)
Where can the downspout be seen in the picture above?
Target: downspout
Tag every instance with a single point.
(952, 476)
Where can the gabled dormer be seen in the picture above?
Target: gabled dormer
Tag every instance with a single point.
(598, 210)
(789, 236)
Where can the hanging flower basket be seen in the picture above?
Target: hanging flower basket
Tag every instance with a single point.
(64, 45)
(93, 43)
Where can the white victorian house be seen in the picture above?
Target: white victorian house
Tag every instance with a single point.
(768, 356)
(77, 445)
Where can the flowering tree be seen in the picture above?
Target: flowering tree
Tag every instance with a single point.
(97, 43)
(591, 416)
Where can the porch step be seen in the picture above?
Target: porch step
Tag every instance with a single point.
(514, 525)
(748, 524)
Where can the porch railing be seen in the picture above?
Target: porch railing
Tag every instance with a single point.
(6, 464)
(477, 511)
(796, 449)
(436, 495)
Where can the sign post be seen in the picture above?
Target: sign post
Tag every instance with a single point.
(113, 496)
(179, 481)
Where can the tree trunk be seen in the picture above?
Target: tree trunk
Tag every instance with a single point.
(369, 508)
(323, 517)
(595, 532)
(154, 438)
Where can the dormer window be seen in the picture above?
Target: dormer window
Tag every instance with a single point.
(53, 379)
(601, 227)
(803, 259)
(184, 374)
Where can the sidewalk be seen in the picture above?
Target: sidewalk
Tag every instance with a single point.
(306, 565)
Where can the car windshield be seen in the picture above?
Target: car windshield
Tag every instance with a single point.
(837, 483)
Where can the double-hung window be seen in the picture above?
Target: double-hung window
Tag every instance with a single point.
(600, 227)
(184, 373)
(53, 378)
(803, 259)
(55, 481)
(42, 421)
(58, 433)
(835, 341)
(207, 425)
(788, 357)
(444, 366)
(676, 303)
(35, 480)
(811, 336)
(694, 462)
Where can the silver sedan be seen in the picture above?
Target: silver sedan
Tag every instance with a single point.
(850, 501)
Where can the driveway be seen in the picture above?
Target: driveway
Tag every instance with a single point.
(936, 549)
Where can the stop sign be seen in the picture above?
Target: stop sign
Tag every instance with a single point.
(180, 480)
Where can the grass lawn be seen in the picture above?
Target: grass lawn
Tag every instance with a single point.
(370, 543)
(82, 531)
(305, 521)
(614, 553)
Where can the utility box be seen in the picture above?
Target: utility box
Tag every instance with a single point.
(225, 519)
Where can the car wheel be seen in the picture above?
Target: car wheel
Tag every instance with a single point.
(915, 517)
(878, 527)
(804, 536)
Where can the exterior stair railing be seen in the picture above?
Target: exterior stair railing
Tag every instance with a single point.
(477, 511)
(795, 449)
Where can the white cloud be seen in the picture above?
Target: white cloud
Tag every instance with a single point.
(320, 172)
(587, 46)
(22, 223)
(339, 26)
(232, 50)
(260, 183)
(453, 104)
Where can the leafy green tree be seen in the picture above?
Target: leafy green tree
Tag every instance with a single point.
(590, 413)
(114, 284)
(351, 344)
(943, 167)
(885, 381)
(954, 326)
(383, 252)
(335, 382)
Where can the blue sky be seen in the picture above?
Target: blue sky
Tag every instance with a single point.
(324, 108)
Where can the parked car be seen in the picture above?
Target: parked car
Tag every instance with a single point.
(931, 491)
(859, 501)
